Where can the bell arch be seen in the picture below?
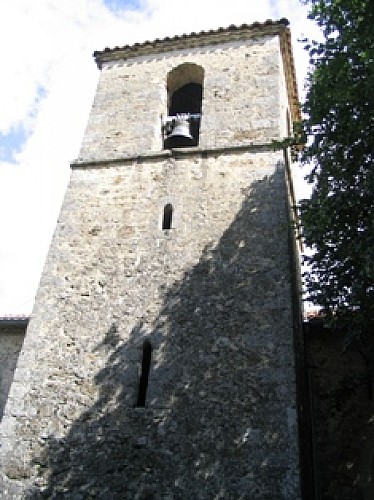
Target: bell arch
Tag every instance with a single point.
(184, 105)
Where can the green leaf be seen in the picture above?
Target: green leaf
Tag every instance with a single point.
(338, 219)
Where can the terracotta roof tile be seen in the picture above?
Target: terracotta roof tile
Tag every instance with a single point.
(213, 37)
(158, 43)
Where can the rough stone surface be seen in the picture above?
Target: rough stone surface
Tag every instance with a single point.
(242, 99)
(213, 295)
(11, 339)
(341, 396)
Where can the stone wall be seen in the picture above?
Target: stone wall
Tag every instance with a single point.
(341, 406)
(242, 83)
(11, 339)
(214, 295)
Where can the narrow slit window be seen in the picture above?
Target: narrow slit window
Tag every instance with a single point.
(144, 374)
(168, 216)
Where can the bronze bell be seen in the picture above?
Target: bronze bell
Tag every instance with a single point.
(180, 135)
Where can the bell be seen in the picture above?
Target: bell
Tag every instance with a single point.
(180, 136)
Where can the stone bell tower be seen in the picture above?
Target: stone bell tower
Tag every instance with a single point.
(159, 361)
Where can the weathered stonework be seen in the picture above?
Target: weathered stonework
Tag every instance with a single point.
(213, 295)
(11, 338)
(341, 411)
(244, 97)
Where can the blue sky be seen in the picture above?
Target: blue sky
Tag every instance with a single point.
(47, 87)
(12, 142)
(118, 5)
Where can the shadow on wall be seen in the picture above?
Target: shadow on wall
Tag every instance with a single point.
(215, 420)
(12, 334)
(342, 409)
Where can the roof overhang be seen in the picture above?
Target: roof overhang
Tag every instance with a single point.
(215, 37)
(19, 321)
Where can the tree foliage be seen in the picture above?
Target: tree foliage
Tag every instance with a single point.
(338, 219)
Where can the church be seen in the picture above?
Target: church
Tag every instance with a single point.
(161, 360)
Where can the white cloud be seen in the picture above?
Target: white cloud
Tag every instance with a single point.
(49, 45)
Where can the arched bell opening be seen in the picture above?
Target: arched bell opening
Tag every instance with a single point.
(185, 93)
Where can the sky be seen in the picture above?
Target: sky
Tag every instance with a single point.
(47, 85)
